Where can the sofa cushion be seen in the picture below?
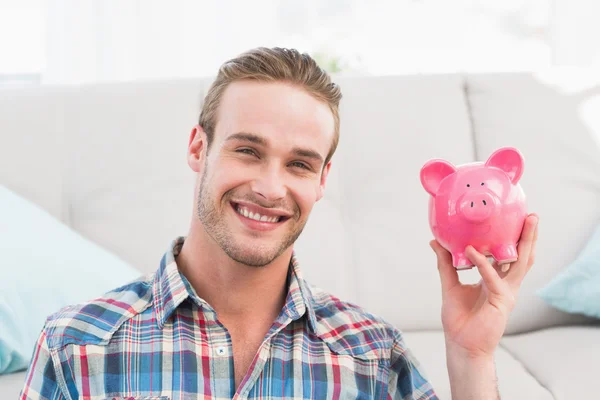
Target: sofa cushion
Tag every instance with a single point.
(577, 288)
(514, 380)
(11, 385)
(565, 360)
(373, 221)
(32, 146)
(129, 186)
(546, 118)
(45, 266)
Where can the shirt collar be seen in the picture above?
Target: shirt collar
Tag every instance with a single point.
(171, 288)
(299, 300)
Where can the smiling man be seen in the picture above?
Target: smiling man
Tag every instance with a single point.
(228, 314)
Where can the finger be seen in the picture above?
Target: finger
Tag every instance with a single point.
(526, 243)
(501, 269)
(487, 271)
(532, 254)
(448, 274)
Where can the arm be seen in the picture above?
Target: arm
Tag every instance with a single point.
(471, 377)
(40, 382)
(474, 317)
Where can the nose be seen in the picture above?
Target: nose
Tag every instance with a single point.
(269, 185)
(477, 207)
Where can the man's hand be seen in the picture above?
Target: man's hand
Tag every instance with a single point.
(474, 317)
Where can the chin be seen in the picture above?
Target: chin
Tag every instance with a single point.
(253, 254)
(253, 260)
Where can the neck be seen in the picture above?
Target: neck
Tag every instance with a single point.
(236, 291)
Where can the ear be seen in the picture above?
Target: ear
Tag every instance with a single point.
(509, 160)
(324, 176)
(433, 172)
(196, 148)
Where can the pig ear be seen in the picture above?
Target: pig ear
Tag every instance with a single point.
(509, 160)
(433, 172)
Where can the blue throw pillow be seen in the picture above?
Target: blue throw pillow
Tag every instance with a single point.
(44, 266)
(576, 289)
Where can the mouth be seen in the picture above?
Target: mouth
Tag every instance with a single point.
(258, 217)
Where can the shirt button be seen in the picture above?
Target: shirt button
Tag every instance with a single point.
(221, 351)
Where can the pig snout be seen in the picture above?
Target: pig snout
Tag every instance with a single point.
(477, 206)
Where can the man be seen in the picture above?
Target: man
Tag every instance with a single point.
(227, 314)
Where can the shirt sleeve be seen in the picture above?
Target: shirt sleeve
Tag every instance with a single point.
(40, 382)
(407, 381)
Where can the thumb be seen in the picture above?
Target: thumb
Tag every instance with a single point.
(448, 274)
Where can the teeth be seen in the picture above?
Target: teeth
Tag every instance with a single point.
(256, 216)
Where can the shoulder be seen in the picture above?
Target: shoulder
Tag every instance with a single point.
(95, 321)
(350, 329)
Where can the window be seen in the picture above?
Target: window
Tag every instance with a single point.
(22, 42)
(84, 41)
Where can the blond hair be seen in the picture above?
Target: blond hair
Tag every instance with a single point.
(272, 65)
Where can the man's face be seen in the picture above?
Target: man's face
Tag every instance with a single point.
(264, 171)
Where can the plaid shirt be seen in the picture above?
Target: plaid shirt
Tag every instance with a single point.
(155, 338)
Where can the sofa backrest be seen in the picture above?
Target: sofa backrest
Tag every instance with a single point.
(110, 161)
(554, 119)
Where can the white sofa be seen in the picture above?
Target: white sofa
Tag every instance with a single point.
(110, 161)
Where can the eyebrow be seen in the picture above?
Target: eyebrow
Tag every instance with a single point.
(308, 154)
(253, 138)
(247, 137)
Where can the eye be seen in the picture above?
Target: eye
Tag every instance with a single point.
(481, 183)
(246, 151)
(300, 165)
(468, 185)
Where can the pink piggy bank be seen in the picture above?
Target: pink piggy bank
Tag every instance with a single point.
(478, 204)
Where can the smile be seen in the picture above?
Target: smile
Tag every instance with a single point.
(251, 212)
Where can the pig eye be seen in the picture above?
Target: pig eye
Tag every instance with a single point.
(468, 185)
(481, 183)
